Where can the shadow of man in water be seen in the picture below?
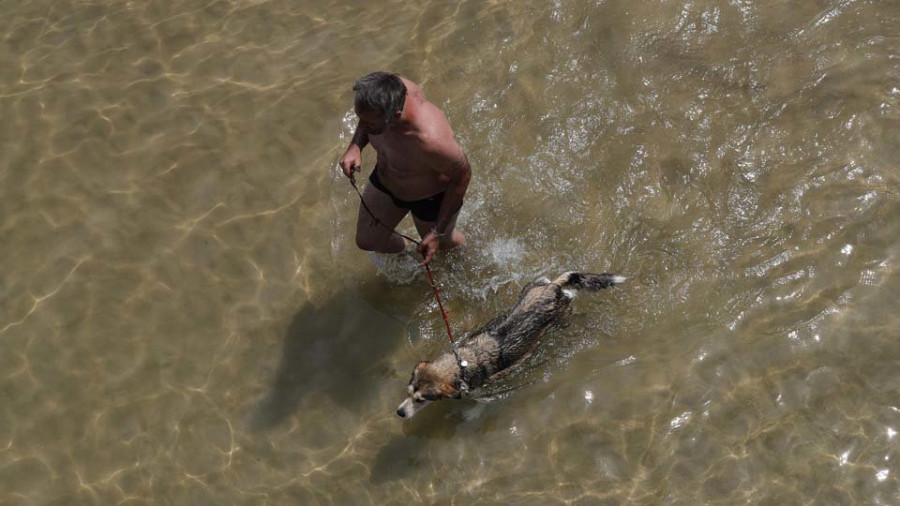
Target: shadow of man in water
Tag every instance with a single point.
(336, 347)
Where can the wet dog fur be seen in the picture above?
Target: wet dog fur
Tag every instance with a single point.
(502, 343)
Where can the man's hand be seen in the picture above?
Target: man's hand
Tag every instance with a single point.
(428, 247)
(351, 161)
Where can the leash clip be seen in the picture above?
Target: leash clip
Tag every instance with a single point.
(463, 364)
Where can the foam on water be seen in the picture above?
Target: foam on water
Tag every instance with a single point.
(506, 253)
(401, 268)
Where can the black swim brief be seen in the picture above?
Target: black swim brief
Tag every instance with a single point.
(426, 209)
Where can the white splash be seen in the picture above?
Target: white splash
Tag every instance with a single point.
(399, 268)
(628, 360)
(505, 251)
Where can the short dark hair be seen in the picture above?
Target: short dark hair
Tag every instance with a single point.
(381, 92)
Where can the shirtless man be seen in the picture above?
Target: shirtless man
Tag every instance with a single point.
(420, 168)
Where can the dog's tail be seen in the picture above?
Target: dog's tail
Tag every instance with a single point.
(590, 282)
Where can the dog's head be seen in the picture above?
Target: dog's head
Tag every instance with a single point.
(430, 381)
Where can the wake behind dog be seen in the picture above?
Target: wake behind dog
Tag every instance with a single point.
(501, 344)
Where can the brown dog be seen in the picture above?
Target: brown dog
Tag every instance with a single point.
(503, 343)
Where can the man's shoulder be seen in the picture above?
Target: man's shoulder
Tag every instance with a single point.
(433, 123)
(412, 88)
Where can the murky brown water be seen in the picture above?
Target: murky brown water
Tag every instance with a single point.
(184, 318)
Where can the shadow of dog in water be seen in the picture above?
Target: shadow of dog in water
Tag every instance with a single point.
(334, 348)
(404, 455)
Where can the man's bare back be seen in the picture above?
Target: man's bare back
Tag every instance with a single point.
(420, 169)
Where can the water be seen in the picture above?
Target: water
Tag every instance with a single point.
(184, 318)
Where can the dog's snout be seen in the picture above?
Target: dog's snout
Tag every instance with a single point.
(401, 413)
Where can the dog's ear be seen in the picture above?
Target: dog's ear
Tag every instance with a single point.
(444, 390)
(421, 365)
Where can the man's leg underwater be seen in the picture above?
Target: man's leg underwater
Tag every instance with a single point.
(370, 236)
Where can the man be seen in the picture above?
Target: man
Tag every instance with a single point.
(420, 167)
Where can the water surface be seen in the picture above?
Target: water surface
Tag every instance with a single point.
(184, 318)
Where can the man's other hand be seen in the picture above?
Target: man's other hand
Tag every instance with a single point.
(351, 161)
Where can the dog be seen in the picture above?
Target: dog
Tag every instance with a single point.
(502, 343)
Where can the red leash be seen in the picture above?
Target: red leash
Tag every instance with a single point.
(437, 293)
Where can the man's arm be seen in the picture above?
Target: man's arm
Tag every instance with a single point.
(352, 159)
(360, 138)
(459, 172)
(450, 162)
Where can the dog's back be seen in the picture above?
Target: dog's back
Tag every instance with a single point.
(542, 306)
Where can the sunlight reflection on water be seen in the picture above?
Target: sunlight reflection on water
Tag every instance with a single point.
(186, 318)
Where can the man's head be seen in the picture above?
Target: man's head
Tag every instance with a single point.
(380, 97)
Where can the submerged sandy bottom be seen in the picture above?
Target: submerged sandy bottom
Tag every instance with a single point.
(184, 318)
